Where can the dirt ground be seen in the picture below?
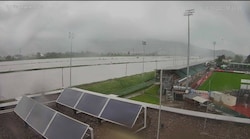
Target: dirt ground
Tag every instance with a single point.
(173, 126)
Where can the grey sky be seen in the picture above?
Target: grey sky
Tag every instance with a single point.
(43, 26)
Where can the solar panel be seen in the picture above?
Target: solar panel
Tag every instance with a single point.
(24, 106)
(123, 113)
(48, 122)
(63, 127)
(113, 110)
(91, 104)
(40, 117)
(69, 97)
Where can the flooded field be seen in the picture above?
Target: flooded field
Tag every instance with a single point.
(15, 84)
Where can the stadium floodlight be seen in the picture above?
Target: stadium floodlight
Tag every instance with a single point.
(144, 43)
(214, 43)
(71, 37)
(188, 13)
(159, 115)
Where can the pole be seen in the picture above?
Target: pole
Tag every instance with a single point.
(214, 48)
(159, 116)
(62, 79)
(143, 44)
(156, 64)
(188, 13)
(209, 85)
(70, 76)
(205, 121)
(126, 69)
(188, 53)
(143, 59)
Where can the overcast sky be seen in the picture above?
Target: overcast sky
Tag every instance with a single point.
(30, 27)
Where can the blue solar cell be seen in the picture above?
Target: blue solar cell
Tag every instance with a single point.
(112, 110)
(63, 127)
(69, 97)
(24, 106)
(120, 112)
(91, 104)
(40, 117)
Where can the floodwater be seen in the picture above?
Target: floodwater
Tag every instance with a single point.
(92, 69)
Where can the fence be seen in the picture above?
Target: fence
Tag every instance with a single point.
(135, 88)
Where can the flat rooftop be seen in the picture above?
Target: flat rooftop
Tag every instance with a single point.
(174, 126)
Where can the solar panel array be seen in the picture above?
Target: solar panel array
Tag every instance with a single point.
(121, 112)
(100, 106)
(48, 122)
(24, 107)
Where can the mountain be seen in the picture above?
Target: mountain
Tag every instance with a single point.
(224, 52)
(132, 46)
(160, 47)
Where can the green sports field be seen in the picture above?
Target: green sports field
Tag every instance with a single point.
(223, 81)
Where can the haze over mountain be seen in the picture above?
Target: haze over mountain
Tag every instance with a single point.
(158, 47)
(110, 26)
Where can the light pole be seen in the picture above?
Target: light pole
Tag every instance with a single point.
(144, 43)
(214, 43)
(188, 13)
(159, 115)
(71, 37)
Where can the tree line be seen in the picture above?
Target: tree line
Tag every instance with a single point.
(50, 55)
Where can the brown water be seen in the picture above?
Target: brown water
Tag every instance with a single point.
(19, 83)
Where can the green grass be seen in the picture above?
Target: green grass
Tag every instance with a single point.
(119, 85)
(8, 100)
(222, 81)
(150, 95)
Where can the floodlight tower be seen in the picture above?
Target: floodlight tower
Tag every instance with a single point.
(71, 37)
(159, 114)
(214, 43)
(188, 13)
(144, 43)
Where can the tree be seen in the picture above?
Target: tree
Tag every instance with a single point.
(247, 60)
(219, 61)
(238, 58)
(38, 55)
(9, 58)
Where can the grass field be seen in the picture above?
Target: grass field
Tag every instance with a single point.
(223, 81)
(150, 95)
(120, 86)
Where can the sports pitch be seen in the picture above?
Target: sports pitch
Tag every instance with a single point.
(223, 81)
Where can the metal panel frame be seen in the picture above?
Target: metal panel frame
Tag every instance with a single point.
(51, 120)
(56, 112)
(108, 99)
(88, 112)
(29, 110)
(57, 100)
(145, 120)
(48, 123)
(118, 122)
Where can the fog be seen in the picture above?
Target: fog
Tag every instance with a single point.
(31, 27)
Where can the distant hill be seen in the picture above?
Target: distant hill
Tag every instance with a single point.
(224, 52)
(160, 47)
(153, 46)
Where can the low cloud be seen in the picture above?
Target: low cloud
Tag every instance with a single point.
(43, 26)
